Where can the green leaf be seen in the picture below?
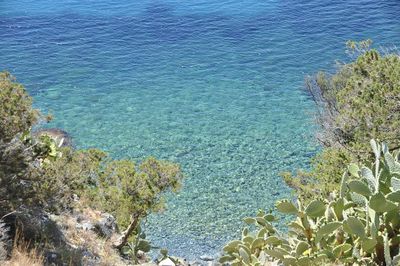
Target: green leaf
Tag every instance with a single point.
(396, 260)
(296, 226)
(244, 255)
(356, 227)
(254, 260)
(245, 232)
(248, 240)
(327, 229)
(386, 250)
(338, 208)
(353, 169)
(273, 240)
(275, 253)
(394, 166)
(395, 182)
(394, 196)
(126, 250)
(144, 245)
(379, 203)
(375, 148)
(270, 218)
(257, 243)
(226, 258)
(286, 206)
(164, 252)
(343, 186)
(367, 174)
(304, 261)
(301, 247)
(360, 188)
(368, 244)
(249, 220)
(289, 260)
(315, 209)
(232, 246)
(341, 249)
(357, 200)
(261, 221)
(262, 232)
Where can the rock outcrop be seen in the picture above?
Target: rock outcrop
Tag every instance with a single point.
(61, 137)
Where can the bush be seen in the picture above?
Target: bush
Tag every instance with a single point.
(124, 190)
(21, 173)
(131, 193)
(361, 101)
(21, 156)
(16, 112)
(359, 225)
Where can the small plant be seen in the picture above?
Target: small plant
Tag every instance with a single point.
(359, 225)
(165, 256)
(139, 244)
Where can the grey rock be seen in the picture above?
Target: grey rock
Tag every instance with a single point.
(52, 258)
(106, 226)
(86, 226)
(89, 259)
(35, 225)
(62, 138)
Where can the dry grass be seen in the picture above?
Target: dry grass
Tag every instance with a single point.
(89, 240)
(23, 255)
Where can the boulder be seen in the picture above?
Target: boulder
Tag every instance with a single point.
(106, 226)
(85, 226)
(34, 225)
(62, 138)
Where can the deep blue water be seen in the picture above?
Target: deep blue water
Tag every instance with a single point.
(213, 85)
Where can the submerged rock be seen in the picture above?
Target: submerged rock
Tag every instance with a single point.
(61, 137)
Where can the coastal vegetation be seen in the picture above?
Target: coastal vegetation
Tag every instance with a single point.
(357, 103)
(347, 209)
(358, 224)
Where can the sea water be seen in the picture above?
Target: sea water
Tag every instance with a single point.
(214, 85)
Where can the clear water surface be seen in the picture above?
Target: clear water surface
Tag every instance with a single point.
(215, 85)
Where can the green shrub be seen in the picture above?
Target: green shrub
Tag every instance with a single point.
(361, 101)
(21, 156)
(359, 225)
(124, 190)
(16, 112)
(131, 192)
(21, 173)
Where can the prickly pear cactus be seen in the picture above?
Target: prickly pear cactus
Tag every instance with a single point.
(360, 226)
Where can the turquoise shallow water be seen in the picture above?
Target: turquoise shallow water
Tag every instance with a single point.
(213, 85)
